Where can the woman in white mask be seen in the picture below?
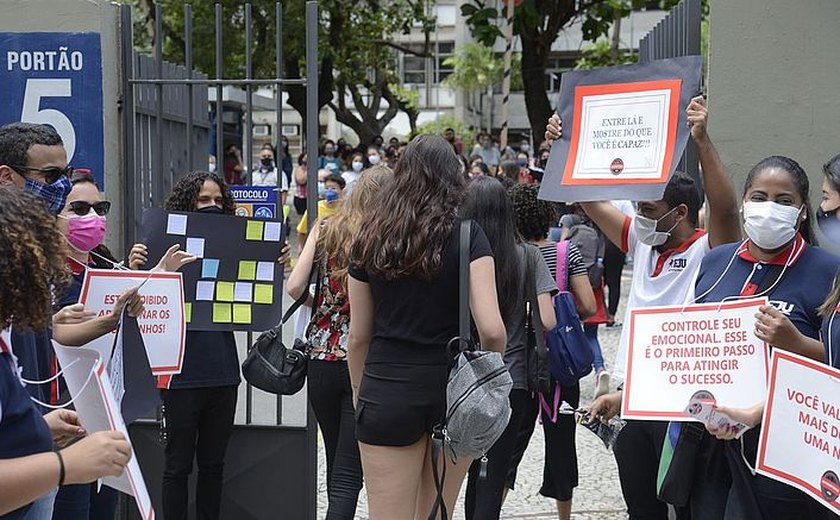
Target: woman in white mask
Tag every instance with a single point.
(778, 260)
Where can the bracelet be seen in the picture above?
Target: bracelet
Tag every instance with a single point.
(61, 472)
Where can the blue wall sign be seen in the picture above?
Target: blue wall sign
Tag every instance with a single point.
(56, 79)
(255, 201)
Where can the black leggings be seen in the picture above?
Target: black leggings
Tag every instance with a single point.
(332, 400)
(637, 451)
(484, 496)
(613, 264)
(199, 423)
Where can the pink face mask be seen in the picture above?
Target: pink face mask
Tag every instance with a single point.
(85, 233)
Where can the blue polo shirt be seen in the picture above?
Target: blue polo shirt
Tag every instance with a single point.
(23, 431)
(804, 286)
(831, 338)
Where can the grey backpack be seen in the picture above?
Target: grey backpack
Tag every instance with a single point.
(477, 394)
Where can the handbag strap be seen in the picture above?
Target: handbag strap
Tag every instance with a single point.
(314, 275)
(464, 282)
(562, 261)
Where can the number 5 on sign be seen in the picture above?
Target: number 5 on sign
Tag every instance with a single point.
(32, 113)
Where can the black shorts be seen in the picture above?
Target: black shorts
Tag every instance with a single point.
(400, 403)
(560, 470)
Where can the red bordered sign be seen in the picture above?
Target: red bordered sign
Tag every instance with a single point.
(800, 432)
(162, 323)
(676, 351)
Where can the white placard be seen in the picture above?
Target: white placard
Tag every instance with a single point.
(800, 431)
(89, 385)
(162, 322)
(675, 351)
(630, 127)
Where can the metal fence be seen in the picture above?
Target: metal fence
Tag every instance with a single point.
(166, 128)
(678, 34)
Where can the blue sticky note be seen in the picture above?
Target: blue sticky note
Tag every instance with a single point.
(210, 268)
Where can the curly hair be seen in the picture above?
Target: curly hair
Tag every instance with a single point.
(410, 223)
(184, 195)
(32, 261)
(336, 238)
(533, 216)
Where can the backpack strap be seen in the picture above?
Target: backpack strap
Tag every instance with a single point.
(439, 434)
(464, 281)
(562, 261)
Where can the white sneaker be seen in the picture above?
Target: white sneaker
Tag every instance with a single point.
(602, 383)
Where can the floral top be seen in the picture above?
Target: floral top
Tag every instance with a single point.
(330, 324)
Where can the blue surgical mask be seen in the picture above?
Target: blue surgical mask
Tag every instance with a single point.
(54, 195)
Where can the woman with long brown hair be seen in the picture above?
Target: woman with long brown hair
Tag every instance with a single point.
(403, 290)
(327, 250)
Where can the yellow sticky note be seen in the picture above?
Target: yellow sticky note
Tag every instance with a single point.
(224, 291)
(187, 312)
(263, 293)
(242, 313)
(221, 313)
(247, 269)
(254, 230)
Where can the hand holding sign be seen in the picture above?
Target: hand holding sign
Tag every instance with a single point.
(103, 454)
(697, 115)
(174, 259)
(73, 314)
(65, 426)
(774, 328)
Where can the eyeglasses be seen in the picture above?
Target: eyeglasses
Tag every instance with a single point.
(50, 174)
(82, 208)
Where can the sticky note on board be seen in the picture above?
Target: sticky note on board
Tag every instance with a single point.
(187, 312)
(247, 269)
(176, 225)
(195, 247)
(263, 293)
(222, 313)
(242, 292)
(273, 230)
(210, 268)
(224, 291)
(254, 230)
(204, 291)
(265, 271)
(242, 313)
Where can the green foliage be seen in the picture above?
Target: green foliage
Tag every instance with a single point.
(601, 54)
(356, 47)
(462, 130)
(475, 67)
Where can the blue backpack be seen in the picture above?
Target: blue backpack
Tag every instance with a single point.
(569, 355)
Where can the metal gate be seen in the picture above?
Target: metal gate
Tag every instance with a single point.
(678, 34)
(271, 469)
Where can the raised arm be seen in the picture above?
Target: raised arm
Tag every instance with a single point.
(724, 225)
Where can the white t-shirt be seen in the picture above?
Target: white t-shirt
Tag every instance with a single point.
(665, 278)
(265, 177)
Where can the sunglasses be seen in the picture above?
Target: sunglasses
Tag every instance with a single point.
(50, 174)
(82, 208)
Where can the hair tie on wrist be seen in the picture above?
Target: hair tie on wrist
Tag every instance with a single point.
(61, 470)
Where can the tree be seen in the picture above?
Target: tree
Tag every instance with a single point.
(356, 50)
(475, 69)
(538, 23)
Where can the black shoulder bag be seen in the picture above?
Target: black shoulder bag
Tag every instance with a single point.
(272, 367)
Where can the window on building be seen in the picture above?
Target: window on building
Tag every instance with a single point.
(415, 68)
(445, 50)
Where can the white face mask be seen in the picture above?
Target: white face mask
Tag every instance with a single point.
(374, 159)
(357, 166)
(770, 225)
(646, 230)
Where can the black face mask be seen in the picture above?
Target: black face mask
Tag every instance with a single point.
(266, 161)
(216, 210)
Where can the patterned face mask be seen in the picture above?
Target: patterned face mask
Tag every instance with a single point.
(54, 195)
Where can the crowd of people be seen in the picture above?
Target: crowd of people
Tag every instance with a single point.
(383, 258)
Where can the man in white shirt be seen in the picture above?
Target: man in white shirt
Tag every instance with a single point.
(667, 249)
(266, 174)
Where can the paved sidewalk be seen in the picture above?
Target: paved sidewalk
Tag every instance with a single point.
(598, 496)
